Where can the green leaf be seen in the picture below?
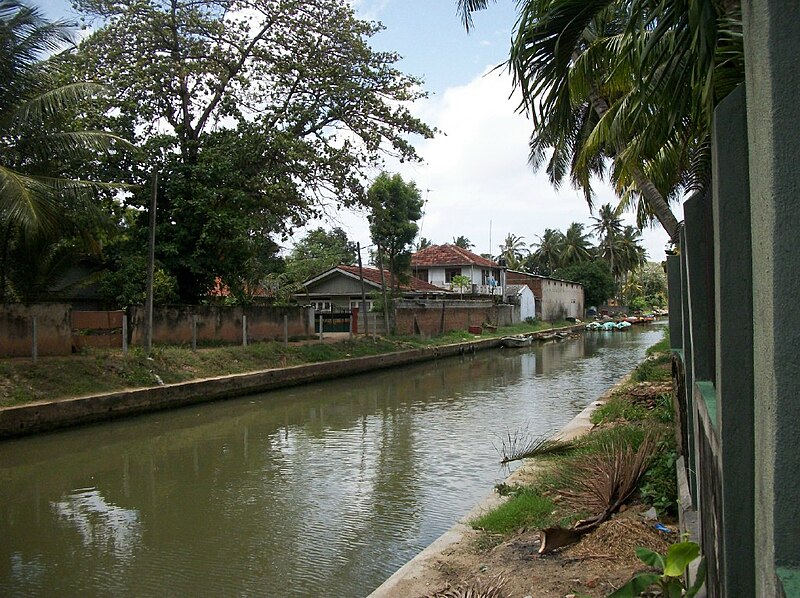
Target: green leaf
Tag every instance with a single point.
(635, 586)
(699, 579)
(648, 557)
(679, 556)
(673, 588)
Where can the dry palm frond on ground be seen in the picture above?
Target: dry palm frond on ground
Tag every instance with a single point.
(600, 483)
(491, 589)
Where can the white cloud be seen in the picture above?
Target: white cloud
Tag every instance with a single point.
(476, 177)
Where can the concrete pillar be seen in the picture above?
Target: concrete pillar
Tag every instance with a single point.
(734, 342)
(674, 285)
(699, 251)
(772, 44)
(688, 378)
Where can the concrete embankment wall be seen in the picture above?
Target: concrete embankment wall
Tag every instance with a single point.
(49, 415)
(44, 416)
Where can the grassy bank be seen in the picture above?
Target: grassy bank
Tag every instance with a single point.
(638, 412)
(99, 370)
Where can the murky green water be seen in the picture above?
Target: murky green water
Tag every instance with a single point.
(323, 490)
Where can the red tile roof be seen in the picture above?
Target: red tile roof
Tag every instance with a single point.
(449, 255)
(373, 275)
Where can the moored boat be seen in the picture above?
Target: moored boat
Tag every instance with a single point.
(516, 341)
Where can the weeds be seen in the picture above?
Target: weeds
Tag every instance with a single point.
(527, 507)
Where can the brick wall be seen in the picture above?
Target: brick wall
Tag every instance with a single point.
(53, 329)
(431, 318)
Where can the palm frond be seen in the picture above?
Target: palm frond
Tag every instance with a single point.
(520, 446)
(465, 9)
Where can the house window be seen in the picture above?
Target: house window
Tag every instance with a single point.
(321, 306)
(354, 303)
(449, 273)
(487, 278)
(422, 275)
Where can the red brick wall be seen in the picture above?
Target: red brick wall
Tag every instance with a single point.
(534, 284)
(53, 329)
(457, 316)
(172, 325)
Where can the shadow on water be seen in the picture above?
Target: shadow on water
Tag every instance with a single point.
(324, 489)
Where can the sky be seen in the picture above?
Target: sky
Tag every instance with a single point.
(474, 178)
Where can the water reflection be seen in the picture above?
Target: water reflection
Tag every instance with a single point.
(319, 490)
(101, 526)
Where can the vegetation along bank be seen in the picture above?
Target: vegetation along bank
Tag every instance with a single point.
(578, 516)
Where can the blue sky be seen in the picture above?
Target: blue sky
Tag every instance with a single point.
(475, 178)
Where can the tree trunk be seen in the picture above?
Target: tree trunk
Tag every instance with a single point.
(650, 193)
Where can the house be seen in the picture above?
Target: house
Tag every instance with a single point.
(339, 289)
(521, 296)
(439, 264)
(555, 299)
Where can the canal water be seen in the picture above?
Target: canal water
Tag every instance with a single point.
(322, 490)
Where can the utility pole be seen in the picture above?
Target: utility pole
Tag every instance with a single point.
(363, 293)
(151, 257)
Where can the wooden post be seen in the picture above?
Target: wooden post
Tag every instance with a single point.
(124, 334)
(35, 340)
(244, 331)
(285, 330)
(320, 326)
(194, 332)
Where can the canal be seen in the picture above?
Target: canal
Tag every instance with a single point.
(321, 490)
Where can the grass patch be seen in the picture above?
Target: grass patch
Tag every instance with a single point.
(662, 346)
(654, 369)
(526, 508)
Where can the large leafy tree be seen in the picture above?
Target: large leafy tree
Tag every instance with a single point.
(319, 250)
(396, 205)
(312, 108)
(48, 216)
(595, 276)
(646, 285)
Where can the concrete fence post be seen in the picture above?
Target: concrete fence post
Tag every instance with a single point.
(285, 330)
(124, 334)
(194, 332)
(244, 331)
(35, 340)
(320, 326)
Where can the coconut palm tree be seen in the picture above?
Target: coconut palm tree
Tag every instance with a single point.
(463, 242)
(33, 142)
(36, 196)
(512, 250)
(575, 247)
(633, 80)
(607, 228)
(547, 255)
